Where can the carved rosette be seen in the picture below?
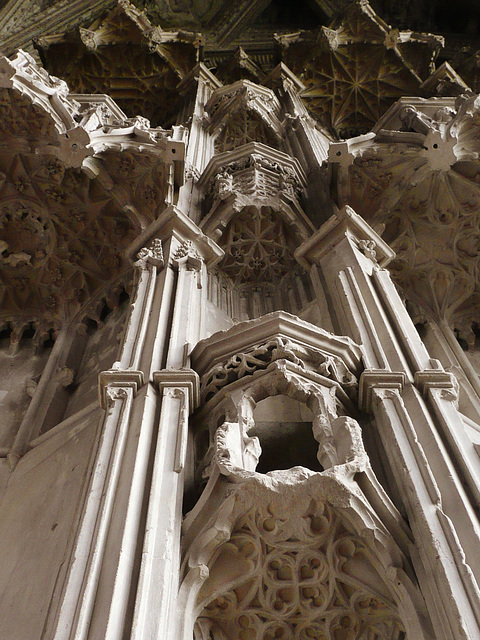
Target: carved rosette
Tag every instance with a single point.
(257, 247)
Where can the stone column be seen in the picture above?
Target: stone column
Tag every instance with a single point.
(117, 390)
(179, 327)
(365, 305)
(132, 514)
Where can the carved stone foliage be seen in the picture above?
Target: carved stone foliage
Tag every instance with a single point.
(357, 67)
(258, 176)
(285, 334)
(417, 181)
(308, 577)
(123, 55)
(259, 357)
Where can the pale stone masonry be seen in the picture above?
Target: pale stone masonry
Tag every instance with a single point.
(239, 322)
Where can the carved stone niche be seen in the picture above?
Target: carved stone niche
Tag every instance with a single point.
(253, 209)
(244, 112)
(292, 553)
(295, 556)
(301, 376)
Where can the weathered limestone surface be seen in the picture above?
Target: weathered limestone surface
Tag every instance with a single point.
(239, 322)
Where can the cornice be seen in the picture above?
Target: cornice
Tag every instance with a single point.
(346, 223)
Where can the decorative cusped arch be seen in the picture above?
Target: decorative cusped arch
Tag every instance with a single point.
(296, 554)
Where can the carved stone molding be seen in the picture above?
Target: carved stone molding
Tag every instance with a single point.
(259, 357)
(29, 115)
(344, 224)
(173, 378)
(378, 379)
(243, 112)
(253, 207)
(253, 155)
(436, 378)
(221, 346)
(112, 385)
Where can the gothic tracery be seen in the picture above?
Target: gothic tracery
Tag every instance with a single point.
(219, 420)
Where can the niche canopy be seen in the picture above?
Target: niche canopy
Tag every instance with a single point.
(253, 347)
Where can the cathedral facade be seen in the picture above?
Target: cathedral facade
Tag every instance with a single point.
(239, 320)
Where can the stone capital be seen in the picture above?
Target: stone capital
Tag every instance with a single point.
(377, 379)
(173, 223)
(151, 254)
(174, 378)
(119, 379)
(436, 379)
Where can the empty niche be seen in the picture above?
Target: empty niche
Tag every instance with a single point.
(284, 427)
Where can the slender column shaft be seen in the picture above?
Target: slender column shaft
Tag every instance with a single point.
(158, 584)
(82, 582)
